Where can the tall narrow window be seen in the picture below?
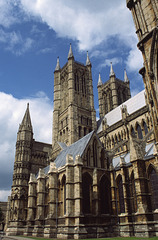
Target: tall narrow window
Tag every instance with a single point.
(139, 132)
(79, 131)
(64, 193)
(153, 178)
(120, 196)
(145, 128)
(133, 132)
(86, 193)
(102, 159)
(88, 157)
(133, 196)
(95, 153)
(105, 201)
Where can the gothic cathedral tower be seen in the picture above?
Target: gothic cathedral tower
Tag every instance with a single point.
(145, 15)
(21, 169)
(74, 115)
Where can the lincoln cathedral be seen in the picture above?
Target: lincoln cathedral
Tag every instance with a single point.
(98, 178)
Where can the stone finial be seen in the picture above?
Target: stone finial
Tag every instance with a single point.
(41, 173)
(52, 167)
(78, 160)
(70, 55)
(124, 111)
(104, 122)
(32, 178)
(88, 62)
(112, 74)
(99, 80)
(58, 65)
(126, 80)
(69, 159)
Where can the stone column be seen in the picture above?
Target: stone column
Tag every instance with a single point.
(31, 198)
(95, 199)
(69, 189)
(53, 191)
(77, 187)
(40, 195)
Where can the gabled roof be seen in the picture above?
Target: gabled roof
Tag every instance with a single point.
(133, 104)
(75, 149)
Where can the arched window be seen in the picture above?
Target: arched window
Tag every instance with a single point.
(139, 132)
(79, 131)
(88, 157)
(64, 193)
(120, 196)
(86, 193)
(85, 131)
(133, 196)
(145, 128)
(133, 132)
(95, 153)
(102, 160)
(153, 179)
(105, 195)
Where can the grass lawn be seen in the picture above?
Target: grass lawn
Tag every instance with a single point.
(113, 238)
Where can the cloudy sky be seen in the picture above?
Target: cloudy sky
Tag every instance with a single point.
(33, 33)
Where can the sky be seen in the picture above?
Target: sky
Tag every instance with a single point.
(33, 33)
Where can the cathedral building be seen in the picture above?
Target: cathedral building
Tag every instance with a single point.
(98, 178)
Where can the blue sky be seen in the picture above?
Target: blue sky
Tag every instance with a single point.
(33, 33)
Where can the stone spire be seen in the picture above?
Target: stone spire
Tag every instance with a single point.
(70, 55)
(126, 80)
(26, 122)
(112, 74)
(58, 65)
(88, 62)
(99, 80)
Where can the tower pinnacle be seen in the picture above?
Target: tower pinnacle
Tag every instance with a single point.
(99, 80)
(88, 62)
(58, 65)
(126, 80)
(112, 74)
(26, 122)
(70, 55)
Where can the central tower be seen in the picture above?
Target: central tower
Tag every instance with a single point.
(74, 115)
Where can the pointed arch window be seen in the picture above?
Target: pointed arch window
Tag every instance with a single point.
(120, 196)
(86, 193)
(139, 132)
(102, 159)
(105, 195)
(133, 132)
(88, 157)
(133, 196)
(145, 128)
(64, 193)
(95, 153)
(153, 179)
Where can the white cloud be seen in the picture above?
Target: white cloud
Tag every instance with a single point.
(134, 61)
(11, 113)
(6, 17)
(107, 62)
(88, 22)
(14, 42)
(4, 195)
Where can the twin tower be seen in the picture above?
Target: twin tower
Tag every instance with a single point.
(74, 115)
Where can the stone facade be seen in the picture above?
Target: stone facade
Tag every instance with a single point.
(98, 178)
